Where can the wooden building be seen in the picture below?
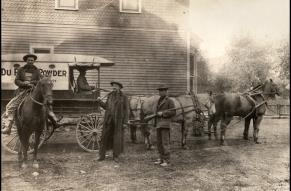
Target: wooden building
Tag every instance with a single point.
(148, 40)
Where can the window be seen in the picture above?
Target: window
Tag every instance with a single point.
(41, 49)
(66, 4)
(130, 6)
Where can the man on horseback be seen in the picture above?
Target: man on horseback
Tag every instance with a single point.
(162, 123)
(27, 77)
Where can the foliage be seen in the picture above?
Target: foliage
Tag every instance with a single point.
(284, 61)
(248, 63)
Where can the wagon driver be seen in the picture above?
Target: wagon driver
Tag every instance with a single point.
(116, 116)
(27, 77)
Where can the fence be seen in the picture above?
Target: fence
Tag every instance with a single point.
(278, 110)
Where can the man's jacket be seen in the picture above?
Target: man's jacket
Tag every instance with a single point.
(27, 73)
(163, 106)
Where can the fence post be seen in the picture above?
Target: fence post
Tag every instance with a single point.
(278, 110)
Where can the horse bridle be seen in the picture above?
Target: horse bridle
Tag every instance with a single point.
(33, 99)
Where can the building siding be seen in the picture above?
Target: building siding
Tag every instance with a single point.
(148, 48)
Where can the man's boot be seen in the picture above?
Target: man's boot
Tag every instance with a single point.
(7, 129)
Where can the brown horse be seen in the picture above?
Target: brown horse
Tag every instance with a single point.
(186, 114)
(31, 116)
(250, 105)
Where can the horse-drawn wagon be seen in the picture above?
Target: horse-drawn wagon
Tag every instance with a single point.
(67, 97)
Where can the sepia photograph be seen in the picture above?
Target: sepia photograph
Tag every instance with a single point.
(145, 95)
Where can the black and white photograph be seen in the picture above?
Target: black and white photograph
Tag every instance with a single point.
(145, 95)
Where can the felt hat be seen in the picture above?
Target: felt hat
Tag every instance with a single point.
(29, 55)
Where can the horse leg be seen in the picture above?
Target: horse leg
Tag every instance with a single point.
(20, 155)
(247, 126)
(256, 123)
(184, 134)
(37, 140)
(133, 133)
(224, 122)
(25, 145)
(215, 130)
(210, 123)
(147, 136)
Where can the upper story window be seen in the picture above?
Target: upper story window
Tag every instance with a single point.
(130, 6)
(66, 4)
(41, 49)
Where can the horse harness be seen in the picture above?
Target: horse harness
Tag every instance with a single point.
(21, 103)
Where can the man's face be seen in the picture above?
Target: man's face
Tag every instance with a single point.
(163, 93)
(30, 60)
(116, 87)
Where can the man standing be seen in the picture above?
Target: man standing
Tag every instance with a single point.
(210, 105)
(26, 78)
(116, 115)
(165, 112)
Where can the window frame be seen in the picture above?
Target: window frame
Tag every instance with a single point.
(32, 48)
(129, 11)
(58, 7)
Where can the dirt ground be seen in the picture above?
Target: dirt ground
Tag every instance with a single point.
(240, 165)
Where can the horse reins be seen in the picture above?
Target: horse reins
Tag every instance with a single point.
(35, 101)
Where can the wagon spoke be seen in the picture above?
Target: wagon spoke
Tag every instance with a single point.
(85, 127)
(92, 121)
(89, 142)
(85, 139)
(84, 131)
(93, 144)
(89, 125)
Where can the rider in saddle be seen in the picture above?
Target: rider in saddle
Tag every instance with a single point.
(26, 78)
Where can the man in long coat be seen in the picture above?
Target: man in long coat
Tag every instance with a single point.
(116, 115)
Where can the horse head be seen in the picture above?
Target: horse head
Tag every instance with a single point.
(45, 86)
(270, 89)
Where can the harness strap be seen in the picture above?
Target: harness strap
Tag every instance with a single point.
(182, 108)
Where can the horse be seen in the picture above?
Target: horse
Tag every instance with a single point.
(31, 116)
(250, 105)
(187, 112)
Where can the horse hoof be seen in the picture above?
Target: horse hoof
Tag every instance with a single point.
(149, 148)
(257, 142)
(185, 147)
(35, 165)
(222, 143)
(24, 166)
(246, 138)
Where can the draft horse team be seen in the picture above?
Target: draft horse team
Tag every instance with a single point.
(32, 107)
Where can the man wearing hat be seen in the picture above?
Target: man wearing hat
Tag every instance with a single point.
(162, 123)
(116, 115)
(26, 78)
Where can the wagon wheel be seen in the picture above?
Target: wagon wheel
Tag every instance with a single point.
(88, 131)
(11, 143)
